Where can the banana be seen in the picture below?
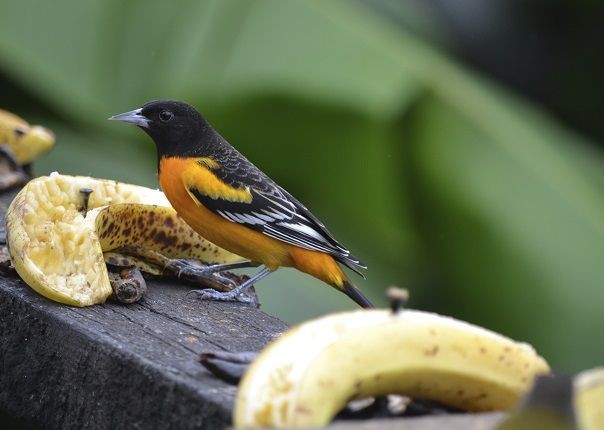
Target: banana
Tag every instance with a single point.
(25, 142)
(58, 227)
(589, 399)
(154, 227)
(309, 374)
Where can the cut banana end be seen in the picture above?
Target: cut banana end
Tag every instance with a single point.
(26, 142)
(309, 374)
(589, 399)
(56, 244)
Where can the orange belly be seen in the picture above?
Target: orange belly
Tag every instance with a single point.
(237, 238)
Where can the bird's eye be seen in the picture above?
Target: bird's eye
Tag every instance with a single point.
(165, 116)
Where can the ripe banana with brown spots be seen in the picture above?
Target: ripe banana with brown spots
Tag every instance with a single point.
(154, 227)
(305, 377)
(58, 227)
(25, 142)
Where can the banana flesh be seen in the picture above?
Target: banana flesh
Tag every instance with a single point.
(307, 375)
(58, 227)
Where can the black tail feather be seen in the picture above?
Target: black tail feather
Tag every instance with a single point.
(355, 294)
(353, 266)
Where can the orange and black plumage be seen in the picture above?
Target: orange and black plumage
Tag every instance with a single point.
(232, 203)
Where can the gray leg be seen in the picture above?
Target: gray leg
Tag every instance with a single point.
(233, 295)
(184, 267)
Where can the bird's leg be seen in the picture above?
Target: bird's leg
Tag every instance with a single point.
(180, 268)
(184, 268)
(233, 295)
(230, 266)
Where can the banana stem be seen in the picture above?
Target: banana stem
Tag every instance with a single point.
(86, 196)
(397, 297)
(128, 285)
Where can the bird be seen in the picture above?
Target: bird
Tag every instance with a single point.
(232, 203)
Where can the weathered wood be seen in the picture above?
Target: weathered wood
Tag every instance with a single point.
(120, 366)
(113, 365)
(485, 421)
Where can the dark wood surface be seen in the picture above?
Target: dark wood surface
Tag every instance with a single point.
(120, 366)
(484, 421)
(113, 365)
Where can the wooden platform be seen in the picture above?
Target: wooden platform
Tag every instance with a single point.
(120, 366)
(135, 366)
(111, 365)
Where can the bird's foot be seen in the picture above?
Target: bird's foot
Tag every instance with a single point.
(188, 271)
(181, 267)
(230, 296)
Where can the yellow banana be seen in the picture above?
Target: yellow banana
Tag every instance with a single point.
(26, 142)
(58, 227)
(309, 374)
(589, 399)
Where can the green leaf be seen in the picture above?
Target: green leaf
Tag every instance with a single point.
(516, 249)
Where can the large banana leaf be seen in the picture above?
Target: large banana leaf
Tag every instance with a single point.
(445, 184)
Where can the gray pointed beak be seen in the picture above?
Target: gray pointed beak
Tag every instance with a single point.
(133, 117)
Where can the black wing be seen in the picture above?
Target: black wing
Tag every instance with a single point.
(272, 211)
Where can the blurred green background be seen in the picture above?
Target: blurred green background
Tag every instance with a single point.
(453, 146)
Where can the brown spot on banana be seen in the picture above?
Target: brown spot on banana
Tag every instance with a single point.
(155, 228)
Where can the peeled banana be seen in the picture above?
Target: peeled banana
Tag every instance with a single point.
(309, 374)
(58, 227)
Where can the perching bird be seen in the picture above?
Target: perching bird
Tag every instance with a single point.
(233, 204)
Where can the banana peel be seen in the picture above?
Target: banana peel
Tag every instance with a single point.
(25, 142)
(305, 377)
(59, 226)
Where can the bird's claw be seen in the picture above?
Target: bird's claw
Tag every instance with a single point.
(224, 280)
(188, 271)
(180, 267)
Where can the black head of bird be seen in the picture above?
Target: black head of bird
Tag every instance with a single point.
(176, 127)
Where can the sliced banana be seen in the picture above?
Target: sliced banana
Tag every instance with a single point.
(26, 142)
(309, 374)
(58, 227)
